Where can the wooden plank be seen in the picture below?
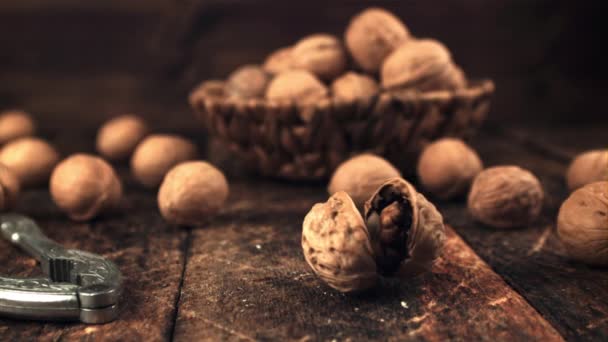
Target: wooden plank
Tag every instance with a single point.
(246, 279)
(149, 253)
(568, 294)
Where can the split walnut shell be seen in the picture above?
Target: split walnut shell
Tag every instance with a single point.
(582, 224)
(406, 230)
(337, 246)
(505, 197)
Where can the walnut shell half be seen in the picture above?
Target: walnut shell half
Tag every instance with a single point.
(406, 230)
(337, 246)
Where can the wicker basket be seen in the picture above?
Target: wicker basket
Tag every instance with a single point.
(282, 139)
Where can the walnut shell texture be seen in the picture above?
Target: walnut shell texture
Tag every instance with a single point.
(248, 81)
(582, 224)
(299, 86)
(336, 245)
(406, 230)
(157, 154)
(447, 167)
(118, 137)
(505, 197)
(15, 124)
(352, 86)
(424, 65)
(31, 159)
(586, 168)
(372, 35)
(84, 186)
(321, 54)
(9, 188)
(360, 176)
(192, 192)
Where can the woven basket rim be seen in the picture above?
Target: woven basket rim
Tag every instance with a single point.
(204, 92)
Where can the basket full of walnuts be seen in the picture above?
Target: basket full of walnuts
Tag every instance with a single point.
(312, 105)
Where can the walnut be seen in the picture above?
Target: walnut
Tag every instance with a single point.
(337, 246)
(15, 124)
(246, 82)
(278, 61)
(505, 197)
(191, 192)
(84, 186)
(352, 86)
(157, 154)
(321, 54)
(118, 137)
(589, 167)
(360, 176)
(9, 188)
(582, 224)
(406, 230)
(424, 65)
(299, 86)
(447, 167)
(31, 159)
(372, 35)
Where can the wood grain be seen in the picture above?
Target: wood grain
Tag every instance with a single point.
(149, 253)
(246, 279)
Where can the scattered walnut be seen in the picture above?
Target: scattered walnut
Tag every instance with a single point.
(582, 224)
(31, 159)
(406, 230)
(337, 246)
(118, 137)
(191, 192)
(321, 54)
(372, 35)
(589, 167)
(249, 81)
(447, 167)
(299, 86)
(15, 124)
(360, 177)
(505, 197)
(9, 188)
(424, 65)
(352, 86)
(278, 61)
(157, 154)
(84, 186)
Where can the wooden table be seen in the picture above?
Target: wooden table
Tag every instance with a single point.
(242, 276)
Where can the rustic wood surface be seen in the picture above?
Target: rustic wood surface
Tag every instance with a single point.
(241, 276)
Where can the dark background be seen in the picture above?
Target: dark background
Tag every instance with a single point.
(67, 59)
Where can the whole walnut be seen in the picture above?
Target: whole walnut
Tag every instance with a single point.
(157, 154)
(299, 86)
(191, 192)
(9, 188)
(352, 86)
(406, 230)
(321, 54)
(15, 124)
(31, 159)
(505, 197)
(84, 186)
(248, 81)
(278, 61)
(589, 167)
(582, 224)
(337, 246)
(447, 167)
(118, 137)
(360, 176)
(425, 65)
(372, 35)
